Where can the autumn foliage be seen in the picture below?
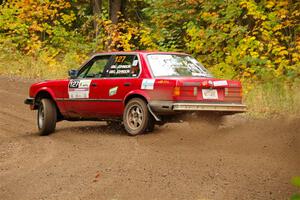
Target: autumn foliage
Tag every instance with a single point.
(245, 39)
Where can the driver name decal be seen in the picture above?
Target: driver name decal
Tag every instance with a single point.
(79, 89)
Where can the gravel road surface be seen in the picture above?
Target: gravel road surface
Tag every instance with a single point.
(245, 159)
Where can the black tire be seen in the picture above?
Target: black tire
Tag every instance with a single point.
(46, 117)
(136, 117)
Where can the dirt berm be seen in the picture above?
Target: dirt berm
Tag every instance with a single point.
(246, 159)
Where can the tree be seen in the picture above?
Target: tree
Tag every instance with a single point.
(96, 7)
(116, 8)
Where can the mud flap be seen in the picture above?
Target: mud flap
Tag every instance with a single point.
(153, 114)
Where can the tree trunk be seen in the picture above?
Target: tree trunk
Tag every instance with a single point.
(123, 7)
(96, 5)
(114, 10)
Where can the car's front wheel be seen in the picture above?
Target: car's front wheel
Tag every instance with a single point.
(136, 117)
(46, 117)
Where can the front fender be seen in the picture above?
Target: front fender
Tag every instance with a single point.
(44, 89)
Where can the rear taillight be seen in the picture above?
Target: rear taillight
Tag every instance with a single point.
(176, 91)
(233, 94)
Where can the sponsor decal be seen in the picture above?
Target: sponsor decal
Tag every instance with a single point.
(163, 82)
(220, 83)
(148, 84)
(135, 63)
(193, 83)
(233, 85)
(113, 91)
(79, 89)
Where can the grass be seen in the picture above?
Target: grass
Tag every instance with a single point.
(14, 63)
(274, 99)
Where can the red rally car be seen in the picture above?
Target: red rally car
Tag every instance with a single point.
(137, 89)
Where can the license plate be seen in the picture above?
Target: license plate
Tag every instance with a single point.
(209, 94)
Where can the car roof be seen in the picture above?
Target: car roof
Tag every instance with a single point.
(144, 52)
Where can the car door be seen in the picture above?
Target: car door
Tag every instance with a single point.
(83, 99)
(120, 77)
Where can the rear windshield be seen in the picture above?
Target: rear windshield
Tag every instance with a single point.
(176, 65)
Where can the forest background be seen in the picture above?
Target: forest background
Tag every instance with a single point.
(254, 41)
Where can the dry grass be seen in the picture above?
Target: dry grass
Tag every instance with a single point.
(274, 99)
(15, 63)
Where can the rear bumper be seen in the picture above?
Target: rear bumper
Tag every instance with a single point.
(209, 107)
(169, 107)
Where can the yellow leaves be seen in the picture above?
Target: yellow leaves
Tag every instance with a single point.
(282, 13)
(253, 9)
(191, 11)
(36, 21)
(246, 74)
(269, 64)
(68, 19)
(121, 36)
(278, 60)
(35, 27)
(210, 14)
(270, 4)
(244, 4)
(295, 57)
(283, 52)
(146, 39)
(282, 3)
(278, 27)
(279, 50)
(254, 54)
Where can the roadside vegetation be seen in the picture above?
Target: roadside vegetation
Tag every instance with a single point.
(256, 42)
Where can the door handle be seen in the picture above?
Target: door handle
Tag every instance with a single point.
(94, 84)
(127, 84)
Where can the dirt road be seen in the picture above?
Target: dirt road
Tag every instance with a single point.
(86, 160)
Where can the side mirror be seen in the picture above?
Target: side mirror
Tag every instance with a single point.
(73, 73)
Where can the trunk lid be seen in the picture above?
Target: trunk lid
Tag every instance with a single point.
(206, 90)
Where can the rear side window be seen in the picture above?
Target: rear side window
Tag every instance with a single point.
(124, 66)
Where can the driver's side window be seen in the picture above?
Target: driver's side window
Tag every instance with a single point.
(95, 67)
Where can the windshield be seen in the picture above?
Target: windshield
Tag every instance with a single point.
(176, 65)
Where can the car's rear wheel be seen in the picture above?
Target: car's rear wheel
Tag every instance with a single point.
(136, 117)
(46, 117)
